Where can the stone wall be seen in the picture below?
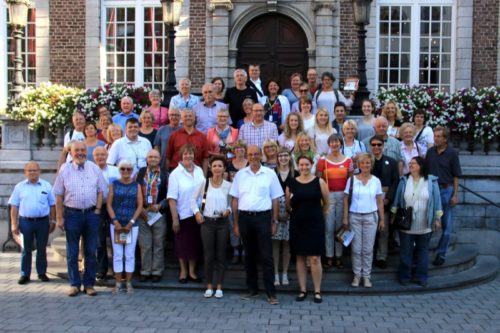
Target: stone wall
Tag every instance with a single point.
(485, 42)
(67, 42)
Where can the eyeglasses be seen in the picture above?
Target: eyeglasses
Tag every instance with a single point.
(283, 156)
(377, 144)
(303, 90)
(126, 169)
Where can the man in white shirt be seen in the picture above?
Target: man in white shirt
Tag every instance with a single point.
(75, 134)
(256, 83)
(131, 147)
(256, 191)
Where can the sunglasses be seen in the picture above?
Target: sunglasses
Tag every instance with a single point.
(303, 90)
(126, 169)
(377, 144)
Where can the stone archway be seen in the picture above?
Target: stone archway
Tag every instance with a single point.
(277, 43)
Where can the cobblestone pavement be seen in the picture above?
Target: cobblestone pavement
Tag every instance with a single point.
(45, 307)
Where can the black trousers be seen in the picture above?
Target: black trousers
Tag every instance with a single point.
(102, 250)
(255, 232)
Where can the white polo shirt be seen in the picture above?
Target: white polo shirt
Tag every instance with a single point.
(182, 186)
(134, 151)
(255, 191)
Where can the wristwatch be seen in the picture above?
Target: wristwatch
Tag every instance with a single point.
(276, 222)
(132, 221)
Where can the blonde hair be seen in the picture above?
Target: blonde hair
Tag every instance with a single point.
(287, 130)
(300, 136)
(366, 156)
(405, 126)
(146, 112)
(269, 143)
(111, 127)
(329, 128)
(350, 122)
(399, 115)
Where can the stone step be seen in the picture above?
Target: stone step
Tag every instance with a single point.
(484, 270)
(462, 267)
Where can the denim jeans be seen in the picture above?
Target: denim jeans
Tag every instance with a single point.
(410, 244)
(31, 230)
(102, 249)
(446, 222)
(85, 225)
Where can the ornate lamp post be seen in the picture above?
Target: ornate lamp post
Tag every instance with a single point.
(18, 15)
(18, 18)
(361, 18)
(171, 18)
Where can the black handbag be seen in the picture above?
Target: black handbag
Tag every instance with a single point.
(403, 218)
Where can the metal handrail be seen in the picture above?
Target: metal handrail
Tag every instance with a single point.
(10, 244)
(479, 195)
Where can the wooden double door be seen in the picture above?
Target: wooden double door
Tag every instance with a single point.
(278, 44)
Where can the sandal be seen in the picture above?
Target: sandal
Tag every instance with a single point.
(302, 296)
(328, 264)
(317, 297)
(338, 263)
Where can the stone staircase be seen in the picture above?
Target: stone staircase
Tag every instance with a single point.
(464, 267)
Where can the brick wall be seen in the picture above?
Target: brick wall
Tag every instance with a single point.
(348, 41)
(197, 38)
(485, 43)
(67, 42)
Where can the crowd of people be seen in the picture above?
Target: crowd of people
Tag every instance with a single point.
(273, 174)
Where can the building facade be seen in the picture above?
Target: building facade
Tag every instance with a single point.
(448, 44)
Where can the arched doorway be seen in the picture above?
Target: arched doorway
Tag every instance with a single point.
(277, 43)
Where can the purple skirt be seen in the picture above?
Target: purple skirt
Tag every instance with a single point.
(188, 240)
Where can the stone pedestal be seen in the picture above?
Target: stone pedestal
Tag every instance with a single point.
(15, 134)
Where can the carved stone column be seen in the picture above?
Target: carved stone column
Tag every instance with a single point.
(327, 36)
(218, 39)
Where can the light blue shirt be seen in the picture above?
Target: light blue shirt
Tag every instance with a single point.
(33, 200)
(121, 119)
(206, 116)
(178, 102)
(111, 174)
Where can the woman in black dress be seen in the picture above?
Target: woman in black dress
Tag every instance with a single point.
(307, 200)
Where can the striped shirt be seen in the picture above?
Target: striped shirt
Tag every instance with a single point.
(335, 173)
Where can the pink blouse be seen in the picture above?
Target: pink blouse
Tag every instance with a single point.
(161, 116)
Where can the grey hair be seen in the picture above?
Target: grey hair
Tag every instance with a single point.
(240, 70)
(127, 98)
(125, 163)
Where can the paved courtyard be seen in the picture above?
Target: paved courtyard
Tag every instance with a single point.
(44, 307)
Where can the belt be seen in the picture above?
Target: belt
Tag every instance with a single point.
(35, 219)
(79, 210)
(255, 213)
(443, 186)
(213, 219)
(363, 213)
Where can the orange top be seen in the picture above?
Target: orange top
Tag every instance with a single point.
(335, 173)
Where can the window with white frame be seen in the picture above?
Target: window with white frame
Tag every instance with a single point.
(135, 45)
(415, 44)
(28, 51)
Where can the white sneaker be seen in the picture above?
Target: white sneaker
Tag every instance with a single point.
(276, 279)
(355, 281)
(284, 280)
(219, 293)
(208, 293)
(367, 283)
